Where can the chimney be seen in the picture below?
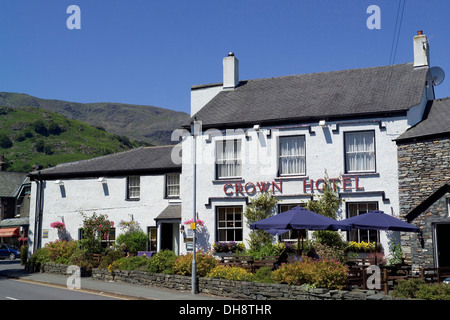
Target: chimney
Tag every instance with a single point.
(421, 50)
(230, 72)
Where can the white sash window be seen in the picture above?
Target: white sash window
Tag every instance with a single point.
(360, 151)
(292, 155)
(228, 159)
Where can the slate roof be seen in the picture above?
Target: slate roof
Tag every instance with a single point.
(145, 160)
(10, 183)
(436, 122)
(172, 211)
(307, 97)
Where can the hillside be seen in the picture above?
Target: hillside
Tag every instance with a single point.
(142, 123)
(29, 135)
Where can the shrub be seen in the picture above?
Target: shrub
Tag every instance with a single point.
(328, 274)
(435, 291)
(5, 142)
(228, 247)
(130, 263)
(205, 263)
(230, 273)
(135, 240)
(23, 255)
(263, 275)
(268, 250)
(418, 288)
(39, 257)
(109, 258)
(61, 251)
(330, 252)
(162, 262)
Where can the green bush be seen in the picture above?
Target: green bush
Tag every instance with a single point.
(419, 289)
(205, 263)
(435, 291)
(23, 255)
(61, 251)
(263, 275)
(135, 241)
(109, 258)
(39, 257)
(327, 274)
(162, 262)
(230, 273)
(130, 263)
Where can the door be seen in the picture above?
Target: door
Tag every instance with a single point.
(166, 236)
(443, 244)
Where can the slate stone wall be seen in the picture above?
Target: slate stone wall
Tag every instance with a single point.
(424, 167)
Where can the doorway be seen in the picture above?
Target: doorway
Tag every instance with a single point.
(443, 244)
(167, 236)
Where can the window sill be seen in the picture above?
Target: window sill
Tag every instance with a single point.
(132, 199)
(292, 177)
(360, 174)
(228, 180)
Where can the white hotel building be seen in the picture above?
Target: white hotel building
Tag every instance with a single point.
(281, 134)
(278, 134)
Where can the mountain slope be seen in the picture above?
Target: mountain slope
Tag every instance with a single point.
(30, 135)
(142, 123)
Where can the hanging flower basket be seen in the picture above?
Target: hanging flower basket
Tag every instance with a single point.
(58, 225)
(197, 222)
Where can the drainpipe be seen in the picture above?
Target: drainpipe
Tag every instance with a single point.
(38, 214)
(194, 128)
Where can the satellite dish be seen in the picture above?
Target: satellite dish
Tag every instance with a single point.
(435, 76)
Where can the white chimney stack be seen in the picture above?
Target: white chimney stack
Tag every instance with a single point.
(230, 71)
(421, 50)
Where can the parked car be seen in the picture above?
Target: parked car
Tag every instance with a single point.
(9, 252)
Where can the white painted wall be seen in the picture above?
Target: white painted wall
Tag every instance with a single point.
(88, 196)
(324, 151)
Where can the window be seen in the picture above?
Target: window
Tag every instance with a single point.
(229, 224)
(109, 239)
(291, 235)
(151, 238)
(173, 185)
(292, 155)
(134, 187)
(360, 151)
(357, 208)
(228, 159)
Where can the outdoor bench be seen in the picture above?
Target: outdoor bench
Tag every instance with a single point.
(268, 261)
(245, 262)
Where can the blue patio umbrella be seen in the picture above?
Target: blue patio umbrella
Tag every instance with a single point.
(378, 220)
(298, 218)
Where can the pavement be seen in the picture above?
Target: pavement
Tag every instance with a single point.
(14, 270)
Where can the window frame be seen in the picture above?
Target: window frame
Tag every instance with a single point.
(370, 233)
(226, 228)
(129, 196)
(237, 160)
(167, 180)
(346, 162)
(300, 136)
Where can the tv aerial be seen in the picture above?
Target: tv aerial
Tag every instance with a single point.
(435, 76)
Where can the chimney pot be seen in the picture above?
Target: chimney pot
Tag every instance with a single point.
(421, 50)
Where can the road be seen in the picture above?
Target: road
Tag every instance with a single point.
(12, 289)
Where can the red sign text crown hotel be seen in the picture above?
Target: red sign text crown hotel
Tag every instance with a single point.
(309, 185)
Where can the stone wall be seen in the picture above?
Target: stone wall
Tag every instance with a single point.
(235, 289)
(424, 167)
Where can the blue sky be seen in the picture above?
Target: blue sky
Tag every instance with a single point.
(152, 51)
